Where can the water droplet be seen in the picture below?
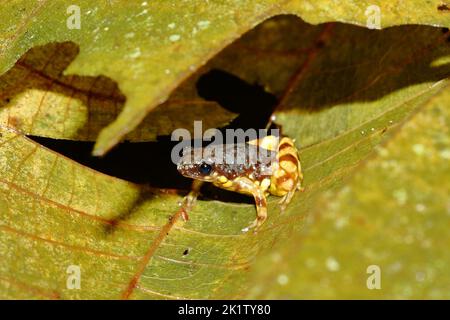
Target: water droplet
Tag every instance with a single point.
(363, 132)
(420, 276)
(145, 3)
(445, 154)
(401, 196)
(276, 257)
(203, 24)
(383, 152)
(395, 267)
(282, 279)
(332, 264)
(341, 222)
(418, 149)
(136, 53)
(145, 11)
(420, 207)
(174, 37)
(106, 28)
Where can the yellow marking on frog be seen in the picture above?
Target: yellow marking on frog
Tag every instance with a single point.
(268, 143)
(228, 184)
(285, 178)
(288, 184)
(289, 166)
(265, 184)
(278, 173)
(287, 175)
(222, 179)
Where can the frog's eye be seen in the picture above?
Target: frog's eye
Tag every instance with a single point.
(205, 168)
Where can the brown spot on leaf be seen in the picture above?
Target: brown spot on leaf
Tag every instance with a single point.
(443, 7)
(14, 122)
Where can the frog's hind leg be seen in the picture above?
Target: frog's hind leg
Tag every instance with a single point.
(287, 198)
(288, 176)
(261, 211)
(259, 194)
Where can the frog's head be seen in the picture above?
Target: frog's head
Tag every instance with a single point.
(193, 165)
(229, 161)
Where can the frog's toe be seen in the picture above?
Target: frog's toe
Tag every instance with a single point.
(251, 226)
(184, 214)
(285, 200)
(282, 204)
(255, 225)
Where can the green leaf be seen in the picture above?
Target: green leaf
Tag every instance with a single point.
(38, 99)
(150, 47)
(393, 214)
(343, 90)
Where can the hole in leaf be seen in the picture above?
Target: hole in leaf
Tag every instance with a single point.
(139, 162)
(253, 104)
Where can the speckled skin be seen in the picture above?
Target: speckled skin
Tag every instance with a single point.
(277, 173)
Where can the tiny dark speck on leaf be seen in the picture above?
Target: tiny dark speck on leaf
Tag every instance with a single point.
(443, 7)
(7, 100)
(320, 44)
(185, 252)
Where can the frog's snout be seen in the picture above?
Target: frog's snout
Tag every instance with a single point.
(188, 169)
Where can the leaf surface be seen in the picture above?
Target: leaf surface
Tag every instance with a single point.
(393, 215)
(342, 91)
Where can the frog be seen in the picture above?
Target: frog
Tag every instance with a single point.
(278, 173)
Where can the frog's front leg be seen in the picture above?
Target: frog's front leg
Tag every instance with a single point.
(189, 200)
(287, 198)
(261, 211)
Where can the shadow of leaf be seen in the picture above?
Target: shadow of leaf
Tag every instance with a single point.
(351, 64)
(38, 99)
